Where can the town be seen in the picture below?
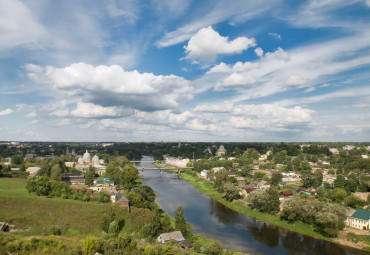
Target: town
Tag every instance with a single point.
(324, 186)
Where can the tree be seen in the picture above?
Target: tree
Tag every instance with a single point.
(318, 179)
(304, 165)
(276, 178)
(354, 202)
(308, 178)
(113, 228)
(129, 175)
(231, 191)
(104, 196)
(246, 170)
(153, 226)
(56, 172)
(180, 221)
(321, 192)
(220, 178)
(340, 181)
(17, 159)
(89, 176)
(272, 205)
(214, 248)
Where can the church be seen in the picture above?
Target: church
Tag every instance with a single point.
(84, 162)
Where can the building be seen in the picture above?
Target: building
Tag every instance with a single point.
(204, 173)
(178, 162)
(33, 170)
(241, 181)
(221, 151)
(360, 219)
(84, 162)
(73, 179)
(102, 184)
(286, 194)
(171, 236)
(335, 151)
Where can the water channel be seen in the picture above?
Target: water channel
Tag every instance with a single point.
(234, 230)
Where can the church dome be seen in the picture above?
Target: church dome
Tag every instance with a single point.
(95, 158)
(86, 157)
(80, 161)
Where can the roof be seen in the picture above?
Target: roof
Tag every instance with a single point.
(287, 193)
(361, 214)
(175, 235)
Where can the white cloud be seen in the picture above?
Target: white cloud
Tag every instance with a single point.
(18, 26)
(62, 123)
(163, 117)
(6, 112)
(275, 35)
(259, 52)
(235, 11)
(112, 86)
(206, 44)
(294, 80)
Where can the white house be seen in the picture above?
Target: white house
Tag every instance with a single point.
(204, 173)
(360, 219)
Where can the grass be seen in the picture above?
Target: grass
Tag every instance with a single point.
(37, 215)
(207, 188)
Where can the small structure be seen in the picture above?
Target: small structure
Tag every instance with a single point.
(122, 201)
(102, 184)
(250, 187)
(286, 194)
(282, 184)
(73, 179)
(221, 151)
(204, 173)
(171, 236)
(33, 170)
(241, 181)
(263, 185)
(360, 219)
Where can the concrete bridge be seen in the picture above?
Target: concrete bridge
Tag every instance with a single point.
(142, 169)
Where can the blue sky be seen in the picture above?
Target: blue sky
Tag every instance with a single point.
(169, 70)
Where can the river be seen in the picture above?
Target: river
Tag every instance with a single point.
(234, 230)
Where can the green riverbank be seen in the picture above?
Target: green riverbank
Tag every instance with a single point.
(207, 188)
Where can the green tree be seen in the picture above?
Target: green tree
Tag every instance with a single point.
(129, 175)
(56, 172)
(308, 178)
(17, 159)
(153, 227)
(113, 228)
(180, 221)
(89, 176)
(318, 178)
(214, 248)
(276, 178)
(272, 205)
(91, 245)
(321, 192)
(104, 196)
(220, 178)
(304, 165)
(231, 191)
(340, 181)
(246, 170)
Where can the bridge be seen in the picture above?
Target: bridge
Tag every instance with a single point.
(142, 169)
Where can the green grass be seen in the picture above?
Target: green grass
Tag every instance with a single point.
(38, 214)
(208, 189)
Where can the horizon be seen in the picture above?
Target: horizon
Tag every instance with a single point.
(240, 71)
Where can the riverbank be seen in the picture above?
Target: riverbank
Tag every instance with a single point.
(299, 227)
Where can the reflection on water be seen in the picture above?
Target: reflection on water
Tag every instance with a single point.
(234, 230)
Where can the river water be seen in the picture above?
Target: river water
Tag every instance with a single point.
(234, 230)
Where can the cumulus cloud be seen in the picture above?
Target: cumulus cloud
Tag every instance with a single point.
(112, 86)
(6, 112)
(274, 35)
(259, 52)
(163, 117)
(206, 44)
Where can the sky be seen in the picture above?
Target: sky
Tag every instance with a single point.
(170, 70)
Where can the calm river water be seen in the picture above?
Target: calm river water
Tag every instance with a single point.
(234, 230)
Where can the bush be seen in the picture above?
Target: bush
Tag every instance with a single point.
(103, 196)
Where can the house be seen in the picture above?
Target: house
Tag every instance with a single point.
(250, 187)
(204, 173)
(216, 169)
(231, 174)
(171, 236)
(33, 170)
(286, 194)
(263, 185)
(122, 200)
(73, 179)
(282, 184)
(102, 184)
(360, 219)
(241, 181)
(311, 192)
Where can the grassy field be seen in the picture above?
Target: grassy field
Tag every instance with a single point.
(208, 189)
(37, 215)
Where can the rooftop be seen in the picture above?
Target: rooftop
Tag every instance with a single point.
(361, 214)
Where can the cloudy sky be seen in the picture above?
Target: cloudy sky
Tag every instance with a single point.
(169, 70)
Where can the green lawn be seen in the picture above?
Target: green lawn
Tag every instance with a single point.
(40, 214)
